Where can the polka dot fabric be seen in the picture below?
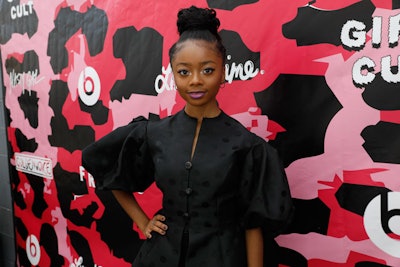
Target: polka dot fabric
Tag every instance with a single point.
(233, 182)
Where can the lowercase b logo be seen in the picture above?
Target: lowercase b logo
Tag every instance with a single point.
(382, 222)
(33, 250)
(89, 86)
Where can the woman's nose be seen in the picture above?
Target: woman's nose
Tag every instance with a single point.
(196, 79)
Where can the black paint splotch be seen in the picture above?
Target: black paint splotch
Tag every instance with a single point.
(370, 264)
(62, 136)
(18, 197)
(25, 144)
(68, 186)
(49, 242)
(237, 51)
(382, 142)
(315, 26)
(395, 4)
(381, 94)
(229, 5)
(355, 198)
(303, 105)
(98, 111)
(39, 204)
(28, 23)
(23, 233)
(29, 64)
(82, 247)
(94, 25)
(122, 234)
(28, 102)
(141, 52)
(21, 73)
(304, 220)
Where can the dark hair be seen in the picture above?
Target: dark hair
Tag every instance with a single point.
(198, 24)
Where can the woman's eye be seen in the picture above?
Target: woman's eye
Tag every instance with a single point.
(208, 70)
(183, 72)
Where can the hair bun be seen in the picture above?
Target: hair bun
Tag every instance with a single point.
(194, 18)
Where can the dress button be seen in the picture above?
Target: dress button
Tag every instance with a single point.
(188, 191)
(188, 165)
(186, 215)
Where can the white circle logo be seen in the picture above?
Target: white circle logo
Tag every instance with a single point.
(89, 86)
(382, 222)
(33, 249)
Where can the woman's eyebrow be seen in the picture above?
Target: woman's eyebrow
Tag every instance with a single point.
(201, 63)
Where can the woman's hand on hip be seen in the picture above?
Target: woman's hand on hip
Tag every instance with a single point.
(156, 224)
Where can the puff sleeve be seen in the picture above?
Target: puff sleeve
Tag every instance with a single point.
(121, 160)
(265, 193)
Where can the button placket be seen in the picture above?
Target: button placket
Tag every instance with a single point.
(188, 165)
(188, 191)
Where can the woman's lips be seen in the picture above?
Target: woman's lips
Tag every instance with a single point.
(196, 95)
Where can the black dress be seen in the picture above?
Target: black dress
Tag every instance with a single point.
(234, 182)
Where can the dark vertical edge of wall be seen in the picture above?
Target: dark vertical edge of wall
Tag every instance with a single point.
(7, 229)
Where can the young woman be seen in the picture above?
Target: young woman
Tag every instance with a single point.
(223, 187)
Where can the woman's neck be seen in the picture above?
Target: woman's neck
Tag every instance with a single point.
(201, 112)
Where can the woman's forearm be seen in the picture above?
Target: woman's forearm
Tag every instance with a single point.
(135, 212)
(254, 247)
(131, 206)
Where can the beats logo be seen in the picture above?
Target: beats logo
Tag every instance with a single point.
(382, 222)
(89, 86)
(33, 249)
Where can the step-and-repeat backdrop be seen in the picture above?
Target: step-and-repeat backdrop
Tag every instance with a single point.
(319, 80)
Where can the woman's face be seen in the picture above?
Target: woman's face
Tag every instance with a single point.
(198, 72)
